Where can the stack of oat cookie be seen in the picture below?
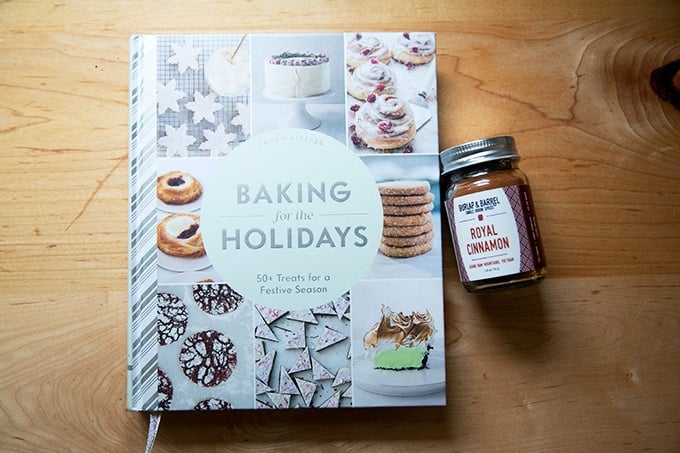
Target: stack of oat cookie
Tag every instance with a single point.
(407, 209)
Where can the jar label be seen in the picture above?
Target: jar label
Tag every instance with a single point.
(495, 233)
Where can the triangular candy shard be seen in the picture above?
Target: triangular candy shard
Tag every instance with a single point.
(280, 401)
(286, 384)
(329, 337)
(307, 390)
(320, 372)
(263, 331)
(259, 350)
(302, 363)
(341, 305)
(343, 376)
(325, 309)
(269, 314)
(303, 316)
(261, 387)
(263, 367)
(332, 402)
(347, 393)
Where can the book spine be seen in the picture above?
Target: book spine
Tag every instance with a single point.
(142, 371)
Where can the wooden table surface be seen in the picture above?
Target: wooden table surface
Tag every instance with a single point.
(589, 360)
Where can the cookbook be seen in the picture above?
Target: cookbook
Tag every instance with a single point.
(284, 222)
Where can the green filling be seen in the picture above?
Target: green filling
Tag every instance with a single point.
(401, 358)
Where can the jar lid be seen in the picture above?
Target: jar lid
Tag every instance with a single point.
(477, 152)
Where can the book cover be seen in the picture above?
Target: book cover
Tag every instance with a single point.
(284, 222)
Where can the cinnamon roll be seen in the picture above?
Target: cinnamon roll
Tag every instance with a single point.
(384, 122)
(371, 77)
(414, 48)
(178, 187)
(179, 235)
(361, 49)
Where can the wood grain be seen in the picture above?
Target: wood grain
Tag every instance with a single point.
(586, 361)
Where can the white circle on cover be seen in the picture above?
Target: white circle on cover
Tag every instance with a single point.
(293, 219)
(228, 76)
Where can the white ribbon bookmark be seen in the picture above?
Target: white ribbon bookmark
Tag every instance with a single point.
(154, 423)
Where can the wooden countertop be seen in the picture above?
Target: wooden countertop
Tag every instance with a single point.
(586, 361)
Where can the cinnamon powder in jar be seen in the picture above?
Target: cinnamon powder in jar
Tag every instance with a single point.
(491, 216)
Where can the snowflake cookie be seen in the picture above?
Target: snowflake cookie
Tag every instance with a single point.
(176, 141)
(217, 141)
(168, 96)
(203, 107)
(185, 56)
(243, 118)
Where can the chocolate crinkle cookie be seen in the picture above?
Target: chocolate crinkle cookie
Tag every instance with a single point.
(208, 358)
(216, 298)
(164, 391)
(212, 404)
(172, 318)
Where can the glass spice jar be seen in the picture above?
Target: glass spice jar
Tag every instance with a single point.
(491, 216)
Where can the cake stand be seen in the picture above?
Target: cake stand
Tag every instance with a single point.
(297, 115)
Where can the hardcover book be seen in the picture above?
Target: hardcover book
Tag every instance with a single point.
(284, 222)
